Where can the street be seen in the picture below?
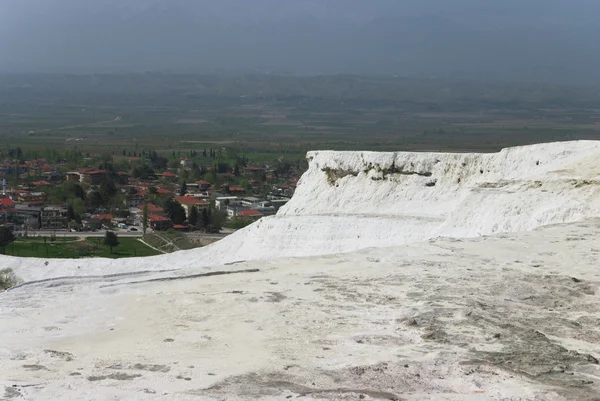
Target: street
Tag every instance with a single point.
(60, 234)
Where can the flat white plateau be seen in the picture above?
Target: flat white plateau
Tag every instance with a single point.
(512, 317)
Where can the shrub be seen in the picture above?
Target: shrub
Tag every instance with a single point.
(8, 279)
(111, 240)
(239, 222)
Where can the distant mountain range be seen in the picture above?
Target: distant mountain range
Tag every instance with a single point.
(308, 37)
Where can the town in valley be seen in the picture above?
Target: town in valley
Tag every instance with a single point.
(202, 195)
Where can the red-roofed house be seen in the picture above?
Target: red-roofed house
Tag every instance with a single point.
(73, 176)
(188, 202)
(254, 170)
(254, 214)
(154, 209)
(235, 190)
(6, 203)
(32, 198)
(180, 227)
(203, 185)
(159, 222)
(92, 177)
(40, 183)
(168, 174)
(105, 217)
(161, 192)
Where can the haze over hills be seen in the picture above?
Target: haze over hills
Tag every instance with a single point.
(549, 41)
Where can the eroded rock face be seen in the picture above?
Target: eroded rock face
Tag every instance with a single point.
(357, 200)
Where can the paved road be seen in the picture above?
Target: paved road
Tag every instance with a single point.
(78, 234)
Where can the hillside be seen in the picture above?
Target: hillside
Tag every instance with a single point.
(388, 276)
(355, 200)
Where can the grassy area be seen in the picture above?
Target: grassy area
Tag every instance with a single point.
(169, 241)
(72, 248)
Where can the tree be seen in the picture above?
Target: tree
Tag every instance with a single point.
(183, 190)
(6, 237)
(218, 219)
(17, 175)
(282, 169)
(111, 240)
(158, 162)
(205, 218)
(239, 222)
(78, 208)
(95, 199)
(196, 172)
(175, 211)
(193, 217)
(70, 213)
(144, 172)
(107, 189)
(178, 214)
(145, 218)
(72, 190)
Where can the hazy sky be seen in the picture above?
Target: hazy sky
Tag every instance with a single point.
(408, 37)
(17, 12)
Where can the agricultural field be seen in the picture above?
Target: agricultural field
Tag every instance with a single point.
(264, 116)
